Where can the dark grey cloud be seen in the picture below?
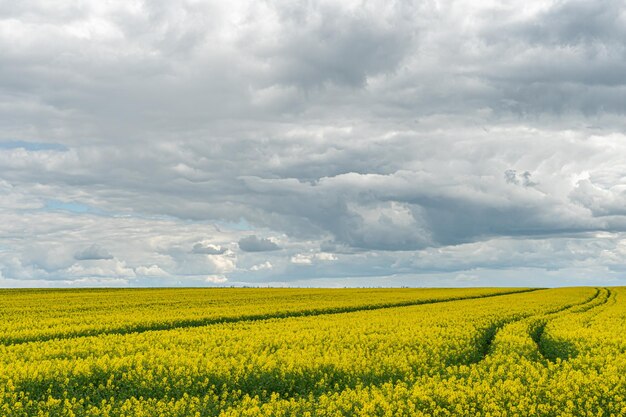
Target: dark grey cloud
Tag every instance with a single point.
(327, 43)
(512, 177)
(572, 23)
(93, 253)
(254, 244)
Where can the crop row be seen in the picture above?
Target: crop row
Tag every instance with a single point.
(45, 314)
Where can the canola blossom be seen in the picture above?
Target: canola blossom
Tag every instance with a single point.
(271, 352)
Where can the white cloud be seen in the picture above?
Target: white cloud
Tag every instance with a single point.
(262, 266)
(151, 271)
(101, 268)
(309, 258)
(301, 259)
(216, 279)
(221, 264)
(208, 249)
(325, 256)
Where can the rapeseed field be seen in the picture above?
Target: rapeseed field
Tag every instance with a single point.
(313, 352)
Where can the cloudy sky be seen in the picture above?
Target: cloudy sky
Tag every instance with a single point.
(317, 143)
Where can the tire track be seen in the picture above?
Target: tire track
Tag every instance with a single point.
(536, 323)
(552, 350)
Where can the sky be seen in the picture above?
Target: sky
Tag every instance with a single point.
(316, 143)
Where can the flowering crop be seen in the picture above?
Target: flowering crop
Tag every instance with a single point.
(556, 352)
(31, 315)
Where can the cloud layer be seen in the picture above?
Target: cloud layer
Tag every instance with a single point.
(326, 143)
(93, 253)
(254, 244)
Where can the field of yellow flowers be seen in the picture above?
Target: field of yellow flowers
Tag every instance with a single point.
(313, 352)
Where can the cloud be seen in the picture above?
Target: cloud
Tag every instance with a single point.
(262, 266)
(512, 177)
(308, 259)
(92, 253)
(150, 271)
(254, 244)
(600, 199)
(338, 43)
(106, 269)
(301, 259)
(216, 279)
(221, 264)
(208, 249)
(325, 256)
(396, 137)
